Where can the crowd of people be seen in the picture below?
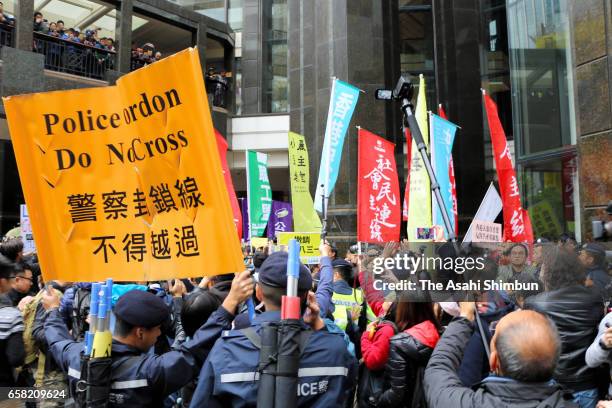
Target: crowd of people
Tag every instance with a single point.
(89, 37)
(144, 55)
(192, 342)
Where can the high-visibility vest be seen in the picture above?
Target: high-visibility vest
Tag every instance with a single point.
(344, 303)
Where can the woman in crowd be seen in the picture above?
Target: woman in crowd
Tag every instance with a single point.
(409, 353)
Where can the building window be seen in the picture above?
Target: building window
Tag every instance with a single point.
(549, 195)
(274, 82)
(541, 82)
(234, 14)
(417, 45)
(210, 8)
(543, 112)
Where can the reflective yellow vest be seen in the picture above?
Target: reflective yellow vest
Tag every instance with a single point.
(344, 303)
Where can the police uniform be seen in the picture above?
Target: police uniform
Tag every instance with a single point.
(345, 298)
(230, 378)
(139, 379)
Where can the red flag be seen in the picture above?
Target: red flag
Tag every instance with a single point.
(378, 206)
(408, 164)
(451, 176)
(229, 184)
(517, 225)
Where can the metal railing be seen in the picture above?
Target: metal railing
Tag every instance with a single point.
(74, 58)
(7, 35)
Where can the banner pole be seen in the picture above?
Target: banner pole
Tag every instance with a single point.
(246, 153)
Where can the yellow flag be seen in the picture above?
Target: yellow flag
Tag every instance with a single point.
(305, 218)
(419, 207)
(125, 181)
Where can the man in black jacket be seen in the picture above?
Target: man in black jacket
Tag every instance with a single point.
(524, 353)
(576, 311)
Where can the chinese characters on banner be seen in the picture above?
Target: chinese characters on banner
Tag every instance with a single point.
(442, 138)
(517, 226)
(378, 203)
(281, 219)
(309, 245)
(419, 199)
(259, 192)
(451, 177)
(229, 184)
(305, 217)
(125, 181)
(341, 107)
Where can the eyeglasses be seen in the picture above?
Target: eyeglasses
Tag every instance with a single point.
(25, 277)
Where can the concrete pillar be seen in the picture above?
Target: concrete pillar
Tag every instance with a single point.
(123, 34)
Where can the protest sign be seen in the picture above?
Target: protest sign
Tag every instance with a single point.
(281, 219)
(259, 192)
(305, 217)
(26, 230)
(517, 225)
(343, 100)
(259, 242)
(378, 205)
(125, 181)
(419, 199)
(489, 209)
(441, 146)
(484, 231)
(309, 244)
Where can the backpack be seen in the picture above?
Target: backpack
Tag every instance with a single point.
(372, 383)
(80, 312)
(29, 317)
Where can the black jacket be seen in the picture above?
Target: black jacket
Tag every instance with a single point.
(409, 352)
(12, 351)
(443, 388)
(576, 311)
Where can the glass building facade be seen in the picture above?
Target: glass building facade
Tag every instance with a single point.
(275, 87)
(525, 65)
(544, 118)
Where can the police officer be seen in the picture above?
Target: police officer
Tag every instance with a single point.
(593, 257)
(347, 301)
(140, 378)
(326, 373)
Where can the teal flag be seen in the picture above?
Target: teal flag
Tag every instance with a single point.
(259, 192)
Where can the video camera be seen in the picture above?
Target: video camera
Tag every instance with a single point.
(403, 90)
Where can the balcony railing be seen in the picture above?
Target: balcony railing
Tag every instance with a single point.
(74, 58)
(7, 35)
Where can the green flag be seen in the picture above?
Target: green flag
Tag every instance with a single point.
(305, 218)
(259, 192)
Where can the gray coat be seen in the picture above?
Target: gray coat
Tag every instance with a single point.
(443, 388)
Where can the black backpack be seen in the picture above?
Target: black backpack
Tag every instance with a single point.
(80, 312)
(371, 383)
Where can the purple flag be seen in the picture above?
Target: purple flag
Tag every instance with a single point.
(281, 218)
(244, 207)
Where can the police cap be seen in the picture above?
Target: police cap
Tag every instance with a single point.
(594, 248)
(141, 309)
(273, 272)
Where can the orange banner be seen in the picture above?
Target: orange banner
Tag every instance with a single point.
(125, 181)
